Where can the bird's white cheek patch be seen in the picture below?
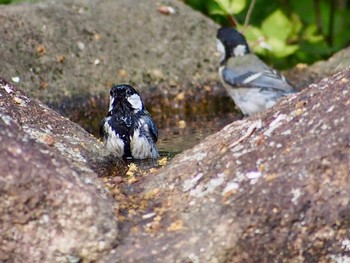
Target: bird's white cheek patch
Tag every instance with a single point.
(135, 102)
(240, 50)
(221, 49)
(111, 101)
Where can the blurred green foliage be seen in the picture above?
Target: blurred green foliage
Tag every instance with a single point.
(9, 1)
(285, 32)
(2, 2)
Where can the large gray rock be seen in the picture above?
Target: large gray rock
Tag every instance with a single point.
(75, 49)
(69, 53)
(52, 206)
(273, 187)
(270, 188)
(303, 75)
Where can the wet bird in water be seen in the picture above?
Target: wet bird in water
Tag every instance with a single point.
(252, 84)
(128, 129)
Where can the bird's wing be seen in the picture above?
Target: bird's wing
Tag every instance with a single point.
(255, 74)
(146, 117)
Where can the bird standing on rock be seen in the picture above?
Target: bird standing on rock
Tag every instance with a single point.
(252, 84)
(128, 129)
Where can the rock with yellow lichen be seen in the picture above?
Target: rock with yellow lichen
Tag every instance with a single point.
(270, 188)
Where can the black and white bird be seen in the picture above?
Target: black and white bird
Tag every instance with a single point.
(252, 84)
(128, 130)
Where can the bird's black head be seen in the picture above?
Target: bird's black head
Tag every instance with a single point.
(124, 97)
(231, 43)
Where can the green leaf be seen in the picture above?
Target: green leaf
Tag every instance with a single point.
(251, 33)
(311, 35)
(237, 6)
(215, 9)
(231, 7)
(277, 25)
(280, 48)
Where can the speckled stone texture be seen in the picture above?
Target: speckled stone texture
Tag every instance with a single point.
(52, 206)
(75, 49)
(270, 188)
(68, 54)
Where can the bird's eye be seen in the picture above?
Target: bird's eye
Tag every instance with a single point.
(129, 93)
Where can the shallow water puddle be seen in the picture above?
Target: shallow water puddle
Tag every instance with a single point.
(179, 128)
(176, 139)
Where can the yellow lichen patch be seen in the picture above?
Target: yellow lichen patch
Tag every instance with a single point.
(180, 96)
(152, 170)
(41, 50)
(121, 218)
(158, 73)
(132, 169)
(207, 88)
(132, 180)
(163, 161)
(261, 167)
(49, 139)
(344, 80)
(270, 177)
(160, 211)
(226, 196)
(298, 112)
(157, 219)
(300, 104)
(60, 58)
(97, 36)
(17, 100)
(301, 66)
(134, 229)
(122, 73)
(151, 194)
(155, 225)
(176, 226)
(223, 149)
(44, 84)
(182, 124)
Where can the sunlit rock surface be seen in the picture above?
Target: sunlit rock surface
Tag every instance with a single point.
(271, 188)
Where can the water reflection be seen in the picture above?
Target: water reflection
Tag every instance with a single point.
(180, 127)
(176, 139)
